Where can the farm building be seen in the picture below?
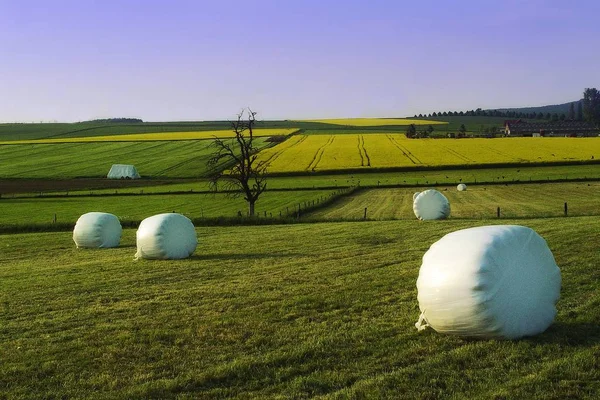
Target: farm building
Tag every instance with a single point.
(123, 171)
(559, 128)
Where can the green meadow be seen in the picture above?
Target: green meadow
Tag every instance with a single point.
(304, 311)
(321, 307)
(478, 201)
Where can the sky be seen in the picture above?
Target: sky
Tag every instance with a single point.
(177, 60)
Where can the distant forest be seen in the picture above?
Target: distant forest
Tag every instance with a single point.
(114, 121)
(573, 112)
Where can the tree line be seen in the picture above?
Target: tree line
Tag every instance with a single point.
(572, 115)
(587, 109)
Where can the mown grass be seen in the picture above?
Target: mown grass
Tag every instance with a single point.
(315, 310)
(71, 160)
(381, 179)
(37, 210)
(378, 121)
(153, 137)
(479, 201)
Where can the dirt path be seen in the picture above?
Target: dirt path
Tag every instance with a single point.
(8, 186)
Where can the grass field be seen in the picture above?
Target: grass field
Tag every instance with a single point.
(315, 310)
(161, 136)
(25, 211)
(523, 200)
(423, 178)
(70, 160)
(378, 121)
(334, 152)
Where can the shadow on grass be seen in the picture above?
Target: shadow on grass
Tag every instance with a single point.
(570, 333)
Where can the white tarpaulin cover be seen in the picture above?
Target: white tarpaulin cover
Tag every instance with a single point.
(490, 281)
(123, 171)
(461, 187)
(431, 204)
(166, 236)
(97, 230)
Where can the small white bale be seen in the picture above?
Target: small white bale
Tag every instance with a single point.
(166, 236)
(491, 282)
(123, 171)
(461, 187)
(431, 204)
(97, 230)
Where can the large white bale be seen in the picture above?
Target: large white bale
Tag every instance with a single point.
(461, 187)
(491, 281)
(431, 204)
(166, 236)
(123, 171)
(97, 230)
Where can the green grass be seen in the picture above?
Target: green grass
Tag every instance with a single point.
(26, 211)
(479, 201)
(70, 160)
(309, 310)
(373, 179)
(473, 124)
(83, 129)
(90, 129)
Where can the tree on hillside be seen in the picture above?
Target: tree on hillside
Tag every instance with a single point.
(591, 106)
(429, 130)
(243, 174)
(579, 111)
(571, 115)
(462, 130)
(411, 131)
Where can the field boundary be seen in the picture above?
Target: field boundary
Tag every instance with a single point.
(433, 168)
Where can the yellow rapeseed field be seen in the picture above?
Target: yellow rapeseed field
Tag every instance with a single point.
(377, 121)
(333, 152)
(162, 136)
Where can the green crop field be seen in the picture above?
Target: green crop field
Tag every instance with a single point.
(307, 310)
(479, 201)
(378, 121)
(26, 211)
(337, 152)
(70, 160)
(374, 179)
(149, 137)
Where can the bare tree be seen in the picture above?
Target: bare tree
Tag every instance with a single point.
(243, 175)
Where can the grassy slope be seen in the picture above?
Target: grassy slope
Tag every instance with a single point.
(157, 159)
(423, 178)
(527, 200)
(473, 124)
(24, 211)
(324, 310)
(66, 130)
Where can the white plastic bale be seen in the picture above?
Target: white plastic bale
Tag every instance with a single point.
(461, 187)
(491, 282)
(431, 204)
(166, 236)
(97, 230)
(122, 171)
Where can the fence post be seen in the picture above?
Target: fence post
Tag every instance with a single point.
(566, 209)
(498, 212)
(54, 220)
(365, 216)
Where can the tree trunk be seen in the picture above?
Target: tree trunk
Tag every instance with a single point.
(251, 205)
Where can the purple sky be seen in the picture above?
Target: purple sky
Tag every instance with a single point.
(206, 59)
